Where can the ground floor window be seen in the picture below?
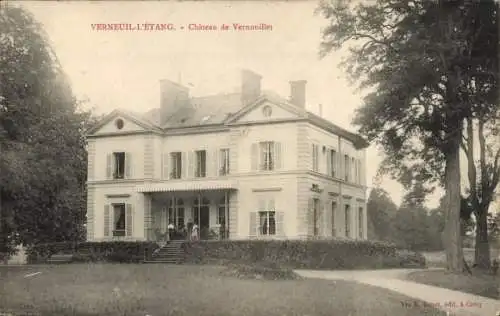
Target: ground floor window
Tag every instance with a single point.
(176, 213)
(347, 220)
(267, 223)
(221, 211)
(316, 212)
(334, 210)
(119, 220)
(360, 222)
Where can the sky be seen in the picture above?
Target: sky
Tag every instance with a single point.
(122, 69)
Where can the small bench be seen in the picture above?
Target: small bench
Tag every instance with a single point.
(60, 258)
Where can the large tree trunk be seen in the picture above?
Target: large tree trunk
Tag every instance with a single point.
(454, 251)
(482, 248)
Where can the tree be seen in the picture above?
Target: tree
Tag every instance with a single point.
(418, 58)
(483, 175)
(380, 211)
(411, 223)
(43, 161)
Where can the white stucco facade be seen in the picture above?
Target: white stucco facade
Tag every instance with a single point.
(292, 198)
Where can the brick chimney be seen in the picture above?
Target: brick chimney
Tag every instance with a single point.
(298, 93)
(250, 86)
(173, 96)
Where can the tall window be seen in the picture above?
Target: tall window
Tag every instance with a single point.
(221, 211)
(119, 220)
(315, 157)
(359, 171)
(267, 218)
(347, 168)
(267, 155)
(119, 165)
(201, 164)
(360, 222)
(176, 165)
(200, 206)
(347, 220)
(223, 162)
(353, 170)
(316, 212)
(176, 212)
(332, 163)
(334, 211)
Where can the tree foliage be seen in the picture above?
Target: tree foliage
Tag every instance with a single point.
(380, 211)
(429, 66)
(43, 156)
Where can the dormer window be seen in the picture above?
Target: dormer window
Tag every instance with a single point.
(119, 123)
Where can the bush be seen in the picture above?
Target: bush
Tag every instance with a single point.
(113, 251)
(311, 254)
(410, 259)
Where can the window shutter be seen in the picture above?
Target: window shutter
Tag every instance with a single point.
(107, 222)
(128, 166)
(252, 232)
(310, 217)
(329, 163)
(185, 165)
(280, 229)
(254, 157)
(214, 168)
(321, 218)
(129, 218)
(278, 157)
(165, 161)
(109, 166)
(191, 164)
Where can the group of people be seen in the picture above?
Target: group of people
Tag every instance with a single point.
(193, 231)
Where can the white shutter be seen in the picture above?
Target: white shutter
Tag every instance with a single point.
(321, 219)
(310, 216)
(328, 163)
(278, 156)
(252, 230)
(107, 221)
(109, 166)
(254, 157)
(165, 170)
(191, 164)
(128, 166)
(128, 220)
(280, 225)
(185, 165)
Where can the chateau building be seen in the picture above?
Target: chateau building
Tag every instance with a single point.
(243, 165)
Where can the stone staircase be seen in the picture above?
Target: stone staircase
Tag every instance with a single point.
(171, 253)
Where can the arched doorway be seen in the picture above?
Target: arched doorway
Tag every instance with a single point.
(201, 215)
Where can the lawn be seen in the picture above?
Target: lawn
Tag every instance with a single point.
(478, 284)
(157, 289)
(438, 258)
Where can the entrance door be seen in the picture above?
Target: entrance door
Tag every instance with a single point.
(201, 216)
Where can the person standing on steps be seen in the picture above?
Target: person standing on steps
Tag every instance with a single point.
(171, 230)
(195, 232)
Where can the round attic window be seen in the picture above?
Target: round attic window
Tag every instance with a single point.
(267, 111)
(119, 123)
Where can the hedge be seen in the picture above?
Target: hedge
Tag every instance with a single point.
(310, 254)
(112, 251)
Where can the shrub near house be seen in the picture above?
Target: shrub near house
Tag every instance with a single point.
(319, 254)
(311, 254)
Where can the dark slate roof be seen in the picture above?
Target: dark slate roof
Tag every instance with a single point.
(215, 109)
